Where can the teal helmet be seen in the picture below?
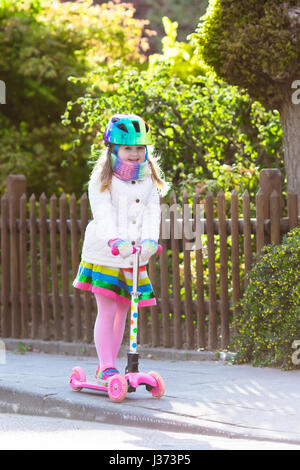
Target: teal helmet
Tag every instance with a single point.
(127, 129)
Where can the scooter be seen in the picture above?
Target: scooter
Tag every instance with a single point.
(118, 385)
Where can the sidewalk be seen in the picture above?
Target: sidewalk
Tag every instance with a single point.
(202, 396)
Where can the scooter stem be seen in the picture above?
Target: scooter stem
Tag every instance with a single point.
(134, 303)
(132, 365)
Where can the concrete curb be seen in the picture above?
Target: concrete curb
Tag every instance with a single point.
(35, 404)
(12, 401)
(88, 350)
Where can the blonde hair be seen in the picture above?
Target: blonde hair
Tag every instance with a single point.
(102, 171)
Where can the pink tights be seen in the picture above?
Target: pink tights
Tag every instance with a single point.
(109, 329)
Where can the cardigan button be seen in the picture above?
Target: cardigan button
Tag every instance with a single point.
(132, 182)
(132, 243)
(137, 200)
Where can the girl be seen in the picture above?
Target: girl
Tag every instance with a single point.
(124, 198)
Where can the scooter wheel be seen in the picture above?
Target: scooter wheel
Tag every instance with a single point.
(77, 374)
(117, 388)
(159, 390)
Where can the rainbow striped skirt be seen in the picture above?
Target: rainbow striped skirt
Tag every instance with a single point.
(114, 282)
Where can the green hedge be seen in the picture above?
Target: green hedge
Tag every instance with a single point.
(269, 319)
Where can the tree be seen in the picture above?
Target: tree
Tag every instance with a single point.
(207, 132)
(42, 43)
(255, 44)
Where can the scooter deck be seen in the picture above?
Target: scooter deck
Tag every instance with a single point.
(133, 378)
(139, 378)
(118, 385)
(91, 385)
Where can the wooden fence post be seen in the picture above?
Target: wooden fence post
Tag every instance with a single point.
(44, 268)
(24, 299)
(212, 319)
(223, 270)
(64, 266)
(5, 323)
(270, 180)
(247, 235)
(164, 280)
(188, 299)
(33, 235)
(175, 271)
(200, 304)
(54, 269)
(293, 210)
(16, 186)
(235, 261)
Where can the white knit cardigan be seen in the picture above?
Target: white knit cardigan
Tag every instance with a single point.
(131, 212)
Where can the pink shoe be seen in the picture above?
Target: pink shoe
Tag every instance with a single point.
(104, 375)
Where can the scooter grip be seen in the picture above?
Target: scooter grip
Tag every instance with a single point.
(159, 249)
(115, 250)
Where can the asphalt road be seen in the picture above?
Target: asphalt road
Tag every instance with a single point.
(21, 432)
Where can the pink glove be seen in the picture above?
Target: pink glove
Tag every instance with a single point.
(124, 247)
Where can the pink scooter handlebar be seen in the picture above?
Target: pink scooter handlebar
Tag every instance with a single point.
(115, 250)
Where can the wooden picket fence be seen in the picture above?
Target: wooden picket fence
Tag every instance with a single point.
(196, 290)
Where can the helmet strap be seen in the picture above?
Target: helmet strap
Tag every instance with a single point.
(116, 150)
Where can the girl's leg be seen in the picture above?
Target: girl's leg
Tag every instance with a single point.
(119, 327)
(104, 330)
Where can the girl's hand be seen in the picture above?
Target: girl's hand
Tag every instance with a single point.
(124, 247)
(148, 248)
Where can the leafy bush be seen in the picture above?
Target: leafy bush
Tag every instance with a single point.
(206, 131)
(269, 320)
(42, 43)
